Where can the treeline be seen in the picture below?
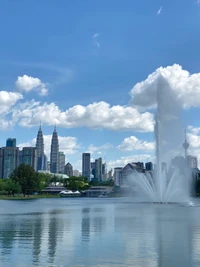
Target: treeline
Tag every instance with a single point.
(25, 180)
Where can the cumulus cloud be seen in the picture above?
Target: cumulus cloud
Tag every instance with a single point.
(27, 83)
(67, 144)
(95, 116)
(185, 85)
(98, 149)
(133, 143)
(8, 100)
(121, 162)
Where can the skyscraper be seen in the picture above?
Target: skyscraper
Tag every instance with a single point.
(29, 156)
(61, 159)
(98, 169)
(69, 169)
(41, 158)
(9, 160)
(11, 142)
(54, 158)
(86, 165)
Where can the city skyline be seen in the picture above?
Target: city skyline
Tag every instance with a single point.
(106, 108)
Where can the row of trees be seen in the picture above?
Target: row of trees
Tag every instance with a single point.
(26, 180)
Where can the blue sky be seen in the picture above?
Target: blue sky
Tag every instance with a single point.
(68, 53)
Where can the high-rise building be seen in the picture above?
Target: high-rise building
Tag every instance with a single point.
(11, 142)
(69, 169)
(9, 157)
(54, 156)
(93, 169)
(149, 166)
(29, 156)
(104, 172)
(41, 157)
(61, 162)
(192, 162)
(98, 169)
(117, 175)
(86, 165)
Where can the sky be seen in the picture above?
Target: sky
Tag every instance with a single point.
(91, 68)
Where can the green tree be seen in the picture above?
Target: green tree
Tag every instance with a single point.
(26, 177)
(76, 183)
(11, 187)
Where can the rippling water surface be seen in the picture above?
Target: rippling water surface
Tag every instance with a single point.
(98, 232)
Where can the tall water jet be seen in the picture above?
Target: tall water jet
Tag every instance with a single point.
(170, 181)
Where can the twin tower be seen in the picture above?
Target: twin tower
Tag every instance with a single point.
(54, 155)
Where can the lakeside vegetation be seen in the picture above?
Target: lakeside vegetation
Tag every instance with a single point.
(25, 183)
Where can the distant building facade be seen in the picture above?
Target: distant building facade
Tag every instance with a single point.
(69, 169)
(117, 175)
(54, 157)
(9, 160)
(86, 165)
(76, 173)
(192, 161)
(11, 142)
(149, 166)
(98, 169)
(29, 156)
(61, 162)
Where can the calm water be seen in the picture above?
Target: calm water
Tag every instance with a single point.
(98, 232)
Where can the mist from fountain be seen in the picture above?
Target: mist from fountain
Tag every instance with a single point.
(169, 182)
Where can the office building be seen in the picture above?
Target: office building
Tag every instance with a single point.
(61, 162)
(54, 156)
(98, 169)
(76, 173)
(86, 165)
(117, 175)
(11, 142)
(192, 162)
(69, 170)
(149, 166)
(29, 156)
(9, 160)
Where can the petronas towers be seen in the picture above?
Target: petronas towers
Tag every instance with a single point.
(41, 157)
(54, 156)
(57, 159)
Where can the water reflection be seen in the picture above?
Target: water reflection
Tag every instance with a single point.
(113, 234)
(37, 239)
(85, 225)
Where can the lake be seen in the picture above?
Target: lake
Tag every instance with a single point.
(98, 232)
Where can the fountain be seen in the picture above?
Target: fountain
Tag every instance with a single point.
(169, 181)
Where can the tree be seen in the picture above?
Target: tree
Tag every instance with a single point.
(76, 183)
(26, 177)
(10, 187)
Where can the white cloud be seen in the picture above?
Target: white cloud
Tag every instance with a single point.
(125, 160)
(95, 116)
(95, 35)
(27, 83)
(98, 149)
(133, 143)
(159, 11)
(67, 144)
(185, 85)
(8, 100)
